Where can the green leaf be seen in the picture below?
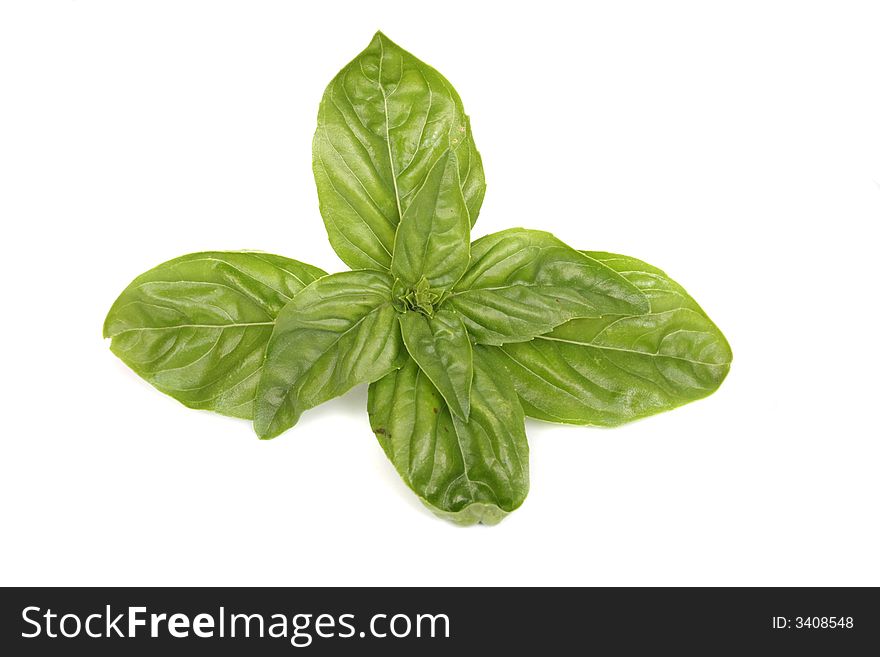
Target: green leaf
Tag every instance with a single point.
(610, 370)
(433, 240)
(337, 333)
(522, 283)
(196, 327)
(662, 292)
(442, 349)
(466, 472)
(384, 122)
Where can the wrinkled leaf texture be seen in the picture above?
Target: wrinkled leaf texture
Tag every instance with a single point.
(433, 240)
(523, 283)
(337, 333)
(610, 370)
(459, 342)
(196, 327)
(464, 471)
(441, 347)
(383, 123)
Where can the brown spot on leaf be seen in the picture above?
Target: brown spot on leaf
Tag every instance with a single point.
(380, 431)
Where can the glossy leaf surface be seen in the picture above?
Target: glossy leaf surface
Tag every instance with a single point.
(442, 349)
(196, 327)
(459, 341)
(338, 332)
(523, 283)
(610, 370)
(384, 122)
(433, 240)
(466, 472)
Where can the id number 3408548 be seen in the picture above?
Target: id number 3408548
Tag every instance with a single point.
(813, 623)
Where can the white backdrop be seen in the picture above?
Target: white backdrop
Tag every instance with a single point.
(736, 145)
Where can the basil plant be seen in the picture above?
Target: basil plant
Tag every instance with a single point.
(459, 340)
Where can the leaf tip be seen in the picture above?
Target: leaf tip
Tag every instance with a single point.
(264, 430)
(265, 433)
(475, 513)
(381, 39)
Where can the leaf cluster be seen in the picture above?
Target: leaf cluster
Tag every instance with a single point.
(459, 340)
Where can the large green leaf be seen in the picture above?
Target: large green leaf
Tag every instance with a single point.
(610, 370)
(196, 327)
(442, 349)
(433, 240)
(466, 472)
(523, 283)
(383, 123)
(338, 332)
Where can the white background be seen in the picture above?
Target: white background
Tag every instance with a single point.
(736, 145)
